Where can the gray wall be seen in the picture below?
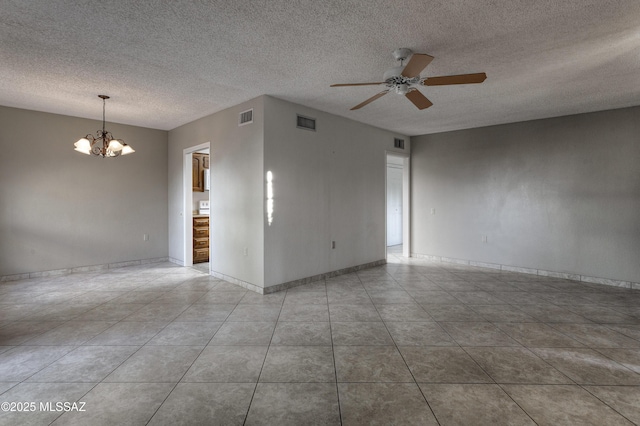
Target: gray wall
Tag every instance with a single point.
(329, 185)
(236, 161)
(60, 209)
(559, 194)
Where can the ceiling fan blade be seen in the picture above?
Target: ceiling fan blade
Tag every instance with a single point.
(371, 99)
(356, 84)
(455, 79)
(418, 99)
(417, 63)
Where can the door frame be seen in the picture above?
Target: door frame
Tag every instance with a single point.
(187, 206)
(406, 201)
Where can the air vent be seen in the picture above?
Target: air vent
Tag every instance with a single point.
(398, 143)
(246, 117)
(306, 123)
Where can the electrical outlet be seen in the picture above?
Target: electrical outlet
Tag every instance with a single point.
(433, 211)
(145, 237)
(245, 251)
(484, 239)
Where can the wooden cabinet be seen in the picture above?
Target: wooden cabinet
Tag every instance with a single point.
(196, 166)
(200, 239)
(199, 163)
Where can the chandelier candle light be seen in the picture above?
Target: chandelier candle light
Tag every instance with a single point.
(105, 145)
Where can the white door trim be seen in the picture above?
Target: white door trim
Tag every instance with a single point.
(187, 206)
(406, 201)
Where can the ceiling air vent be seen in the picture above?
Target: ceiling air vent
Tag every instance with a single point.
(246, 117)
(398, 143)
(306, 123)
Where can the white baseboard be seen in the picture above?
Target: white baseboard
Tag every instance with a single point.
(540, 272)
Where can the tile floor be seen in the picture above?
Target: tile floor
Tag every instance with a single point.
(412, 342)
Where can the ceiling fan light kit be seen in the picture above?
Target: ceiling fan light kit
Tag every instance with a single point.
(404, 79)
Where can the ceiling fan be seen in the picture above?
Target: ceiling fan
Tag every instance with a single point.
(404, 79)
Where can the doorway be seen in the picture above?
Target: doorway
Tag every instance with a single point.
(397, 204)
(394, 201)
(192, 208)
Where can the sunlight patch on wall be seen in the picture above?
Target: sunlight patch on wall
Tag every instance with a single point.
(269, 197)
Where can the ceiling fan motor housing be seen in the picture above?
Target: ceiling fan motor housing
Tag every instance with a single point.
(395, 80)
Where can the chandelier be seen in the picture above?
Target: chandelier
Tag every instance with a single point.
(104, 145)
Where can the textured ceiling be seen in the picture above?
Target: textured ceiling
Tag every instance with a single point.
(166, 63)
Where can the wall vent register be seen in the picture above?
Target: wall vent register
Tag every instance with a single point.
(246, 117)
(398, 143)
(306, 123)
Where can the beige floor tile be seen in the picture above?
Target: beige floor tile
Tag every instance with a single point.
(40, 393)
(443, 365)
(294, 404)
(299, 333)
(85, 364)
(298, 364)
(163, 344)
(118, 404)
(516, 365)
(568, 405)
(231, 364)
(477, 334)
(473, 404)
(205, 404)
(360, 333)
(624, 399)
(588, 367)
(244, 333)
(419, 334)
(370, 364)
(156, 364)
(384, 404)
(538, 335)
